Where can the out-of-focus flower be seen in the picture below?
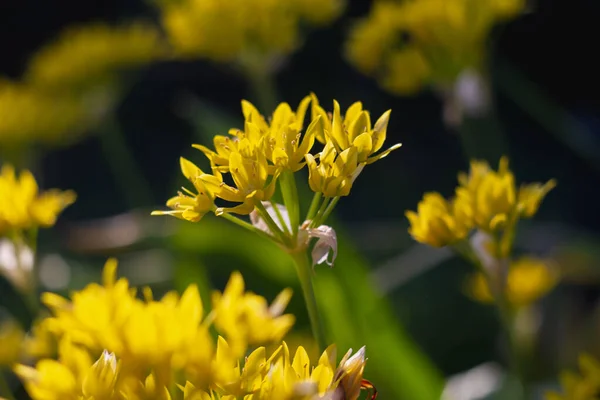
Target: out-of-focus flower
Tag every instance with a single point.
(493, 198)
(16, 263)
(436, 222)
(93, 55)
(245, 318)
(528, 279)
(582, 386)
(242, 31)
(23, 207)
(29, 115)
(409, 45)
(11, 339)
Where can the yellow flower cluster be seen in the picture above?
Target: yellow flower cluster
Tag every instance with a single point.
(93, 54)
(236, 30)
(584, 386)
(528, 280)
(28, 114)
(70, 83)
(485, 199)
(22, 207)
(266, 149)
(407, 45)
(113, 345)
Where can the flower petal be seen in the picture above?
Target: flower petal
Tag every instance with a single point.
(327, 242)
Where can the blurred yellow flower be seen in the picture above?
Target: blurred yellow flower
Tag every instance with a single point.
(23, 207)
(528, 280)
(437, 222)
(494, 200)
(11, 339)
(245, 318)
(408, 45)
(92, 55)
(242, 30)
(28, 115)
(583, 386)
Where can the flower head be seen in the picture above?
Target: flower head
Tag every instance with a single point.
(409, 45)
(23, 207)
(245, 30)
(93, 54)
(11, 337)
(581, 386)
(528, 279)
(246, 319)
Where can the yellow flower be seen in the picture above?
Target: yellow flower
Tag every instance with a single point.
(11, 339)
(437, 222)
(583, 386)
(246, 30)
(354, 130)
(27, 115)
(493, 198)
(528, 280)
(245, 318)
(162, 335)
(93, 54)
(408, 45)
(72, 376)
(188, 205)
(335, 173)
(23, 207)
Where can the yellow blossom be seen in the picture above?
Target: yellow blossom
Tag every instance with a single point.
(28, 115)
(93, 54)
(188, 205)
(354, 130)
(242, 30)
(583, 386)
(408, 45)
(335, 173)
(493, 198)
(23, 207)
(437, 222)
(73, 376)
(11, 338)
(528, 280)
(245, 318)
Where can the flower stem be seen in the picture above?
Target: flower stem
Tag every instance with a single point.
(5, 391)
(289, 192)
(128, 175)
(303, 269)
(314, 206)
(329, 209)
(246, 225)
(317, 220)
(277, 233)
(280, 217)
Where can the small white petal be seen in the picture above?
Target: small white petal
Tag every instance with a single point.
(327, 243)
(258, 221)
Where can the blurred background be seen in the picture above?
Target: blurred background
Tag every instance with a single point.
(406, 301)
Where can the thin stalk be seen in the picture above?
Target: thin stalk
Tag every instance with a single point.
(120, 158)
(317, 220)
(271, 224)
(289, 192)
(314, 206)
(246, 225)
(280, 217)
(5, 391)
(303, 268)
(329, 209)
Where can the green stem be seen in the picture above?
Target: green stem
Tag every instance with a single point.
(280, 217)
(289, 192)
(262, 86)
(246, 225)
(314, 205)
(329, 209)
(5, 391)
(120, 158)
(303, 268)
(317, 219)
(277, 233)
